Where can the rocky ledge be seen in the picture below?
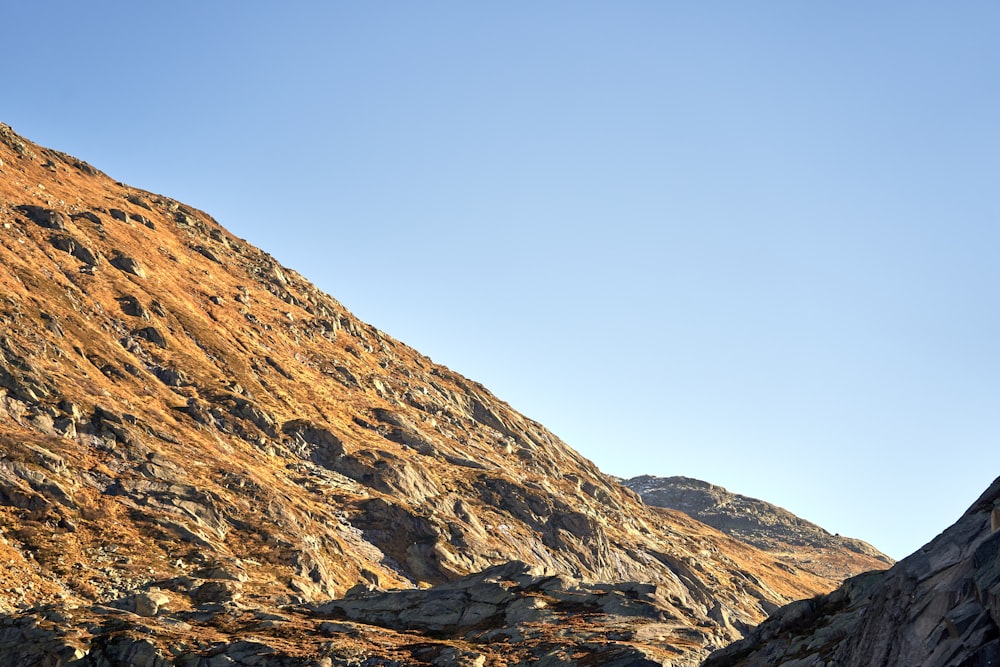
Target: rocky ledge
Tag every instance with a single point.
(939, 607)
(503, 615)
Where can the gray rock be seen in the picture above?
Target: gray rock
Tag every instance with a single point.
(89, 216)
(142, 220)
(217, 591)
(123, 650)
(456, 657)
(128, 265)
(45, 217)
(935, 608)
(313, 442)
(526, 610)
(148, 603)
(139, 201)
(72, 246)
(330, 629)
(171, 377)
(222, 571)
(245, 653)
(153, 335)
(131, 306)
(207, 254)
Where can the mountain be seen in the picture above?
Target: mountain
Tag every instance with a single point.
(794, 540)
(206, 461)
(939, 607)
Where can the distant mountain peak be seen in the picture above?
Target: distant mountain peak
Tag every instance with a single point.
(762, 524)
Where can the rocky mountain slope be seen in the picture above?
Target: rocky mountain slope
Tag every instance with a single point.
(939, 607)
(206, 461)
(796, 541)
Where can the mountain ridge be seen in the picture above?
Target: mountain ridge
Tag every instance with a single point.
(764, 525)
(198, 446)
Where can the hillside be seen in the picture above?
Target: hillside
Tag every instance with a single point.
(207, 461)
(776, 530)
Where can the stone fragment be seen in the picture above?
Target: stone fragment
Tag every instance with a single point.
(330, 628)
(45, 217)
(227, 572)
(85, 167)
(139, 201)
(131, 306)
(124, 650)
(451, 656)
(149, 602)
(217, 591)
(207, 254)
(128, 265)
(88, 215)
(142, 220)
(153, 335)
(70, 245)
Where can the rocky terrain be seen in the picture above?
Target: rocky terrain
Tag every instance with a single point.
(939, 607)
(205, 461)
(796, 541)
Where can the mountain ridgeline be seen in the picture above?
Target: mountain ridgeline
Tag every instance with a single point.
(775, 530)
(207, 461)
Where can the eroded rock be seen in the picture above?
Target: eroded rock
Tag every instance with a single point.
(70, 245)
(128, 265)
(935, 608)
(45, 217)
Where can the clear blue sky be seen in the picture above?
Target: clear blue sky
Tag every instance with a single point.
(756, 243)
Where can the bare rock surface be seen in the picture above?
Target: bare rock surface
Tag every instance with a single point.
(939, 607)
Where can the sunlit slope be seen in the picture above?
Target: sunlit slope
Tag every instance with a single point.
(193, 434)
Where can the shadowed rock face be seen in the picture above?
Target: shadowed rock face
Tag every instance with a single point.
(200, 451)
(794, 540)
(939, 607)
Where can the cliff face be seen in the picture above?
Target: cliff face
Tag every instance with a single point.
(794, 540)
(939, 607)
(200, 451)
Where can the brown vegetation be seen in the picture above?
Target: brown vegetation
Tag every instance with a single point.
(199, 449)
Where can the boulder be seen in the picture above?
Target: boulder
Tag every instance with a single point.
(153, 335)
(130, 305)
(139, 201)
(45, 217)
(72, 246)
(128, 265)
(217, 590)
(90, 216)
(142, 220)
(149, 602)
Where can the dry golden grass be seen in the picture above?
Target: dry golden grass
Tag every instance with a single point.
(207, 469)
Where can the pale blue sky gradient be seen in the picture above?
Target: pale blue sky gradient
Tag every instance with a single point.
(753, 243)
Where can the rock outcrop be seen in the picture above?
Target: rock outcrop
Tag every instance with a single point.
(199, 451)
(508, 614)
(939, 607)
(794, 540)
